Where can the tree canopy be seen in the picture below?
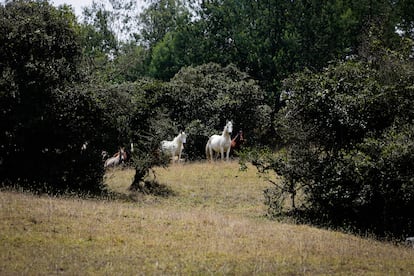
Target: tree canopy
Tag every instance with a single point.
(40, 58)
(348, 133)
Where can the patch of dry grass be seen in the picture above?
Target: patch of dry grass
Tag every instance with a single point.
(212, 224)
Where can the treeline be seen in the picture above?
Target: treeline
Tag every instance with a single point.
(328, 82)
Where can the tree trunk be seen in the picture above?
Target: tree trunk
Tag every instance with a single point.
(138, 184)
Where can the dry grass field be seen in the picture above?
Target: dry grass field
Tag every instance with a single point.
(211, 222)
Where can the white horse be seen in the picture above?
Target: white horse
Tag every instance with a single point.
(116, 159)
(175, 147)
(220, 143)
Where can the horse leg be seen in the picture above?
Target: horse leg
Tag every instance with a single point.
(179, 155)
(211, 153)
(228, 153)
(216, 155)
(222, 153)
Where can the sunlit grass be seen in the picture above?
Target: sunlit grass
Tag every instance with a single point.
(212, 223)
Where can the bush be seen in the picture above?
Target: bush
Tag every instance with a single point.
(44, 122)
(349, 149)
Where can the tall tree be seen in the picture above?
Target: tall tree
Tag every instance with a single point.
(406, 12)
(161, 17)
(99, 37)
(170, 54)
(41, 129)
(108, 31)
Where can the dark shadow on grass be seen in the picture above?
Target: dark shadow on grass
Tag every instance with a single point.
(148, 187)
(153, 187)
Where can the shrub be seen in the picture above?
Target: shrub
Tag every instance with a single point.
(44, 121)
(349, 148)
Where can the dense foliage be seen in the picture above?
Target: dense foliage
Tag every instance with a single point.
(132, 116)
(349, 146)
(43, 121)
(201, 99)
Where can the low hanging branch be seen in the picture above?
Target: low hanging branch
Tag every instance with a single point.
(146, 156)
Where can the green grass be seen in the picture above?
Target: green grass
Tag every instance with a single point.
(212, 223)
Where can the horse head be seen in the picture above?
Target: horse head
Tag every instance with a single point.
(229, 127)
(104, 155)
(183, 137)
(122, 154)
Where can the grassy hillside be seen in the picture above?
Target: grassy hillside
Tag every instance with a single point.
(211, 222)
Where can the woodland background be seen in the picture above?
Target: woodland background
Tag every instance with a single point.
(323, 91)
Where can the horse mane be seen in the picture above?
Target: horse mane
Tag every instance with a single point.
(225, 133)
(176, 138)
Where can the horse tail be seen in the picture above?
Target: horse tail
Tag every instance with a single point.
(208, 149)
